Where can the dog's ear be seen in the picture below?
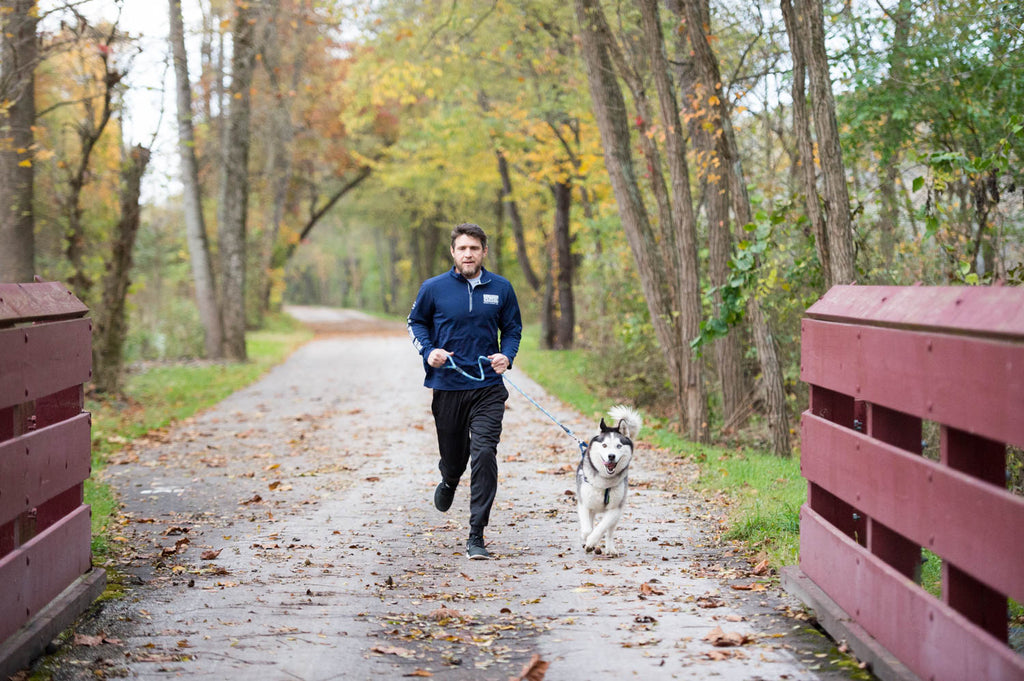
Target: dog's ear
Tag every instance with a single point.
(624, 429)
(605, 428)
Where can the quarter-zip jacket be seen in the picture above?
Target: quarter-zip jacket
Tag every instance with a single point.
(467, 321)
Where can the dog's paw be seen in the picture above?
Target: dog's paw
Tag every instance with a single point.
(589, 549)
(597, 550)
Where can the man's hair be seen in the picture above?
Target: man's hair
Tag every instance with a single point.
(469, 229)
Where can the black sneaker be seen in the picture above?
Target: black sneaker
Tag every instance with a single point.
(443, 496)
(475, 548)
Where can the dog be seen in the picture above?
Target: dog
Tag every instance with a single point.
(602, 478)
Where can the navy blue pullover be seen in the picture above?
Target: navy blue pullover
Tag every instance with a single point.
(467, 321)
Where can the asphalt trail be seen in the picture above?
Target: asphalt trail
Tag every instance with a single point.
(289, 533)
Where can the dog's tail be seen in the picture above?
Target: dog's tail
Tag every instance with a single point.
(627, 418)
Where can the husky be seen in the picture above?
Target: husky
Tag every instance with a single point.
(602, 478)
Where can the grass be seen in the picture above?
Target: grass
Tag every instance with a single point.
(764, 492)
(157, 397)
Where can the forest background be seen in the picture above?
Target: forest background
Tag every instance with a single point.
(667, 184)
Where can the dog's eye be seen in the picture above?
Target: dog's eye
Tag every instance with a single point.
(618, 446)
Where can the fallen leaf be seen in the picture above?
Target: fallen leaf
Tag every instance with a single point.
(534, 670)
(761, 568)
(419, 672)
(647, 590)
(725, 639)
(444, 613)
(210, 554)
(393, 650)
(90, 641)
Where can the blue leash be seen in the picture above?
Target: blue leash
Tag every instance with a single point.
(480, 364)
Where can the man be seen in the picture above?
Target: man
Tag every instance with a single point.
(460, 316)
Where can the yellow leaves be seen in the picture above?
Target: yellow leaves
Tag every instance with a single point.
(713, 100)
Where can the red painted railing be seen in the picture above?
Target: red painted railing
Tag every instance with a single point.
(45, 358)
(881, 362)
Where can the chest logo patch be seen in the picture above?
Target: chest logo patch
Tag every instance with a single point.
(490, 299)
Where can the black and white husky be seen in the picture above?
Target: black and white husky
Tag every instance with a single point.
(602, 478)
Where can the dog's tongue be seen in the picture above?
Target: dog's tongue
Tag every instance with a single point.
(610, 465)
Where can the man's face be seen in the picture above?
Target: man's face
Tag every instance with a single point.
(469, 255)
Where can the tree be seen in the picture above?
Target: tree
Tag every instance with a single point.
(723, 156)
(700, 83)
(109, 317)
(234, 200)
(666, 261)
(98, 105)
(805, 25)
(195, 225)
(18, 58)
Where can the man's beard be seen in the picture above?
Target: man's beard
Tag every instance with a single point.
(468, 273)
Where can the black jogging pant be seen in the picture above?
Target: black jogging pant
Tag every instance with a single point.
(468, 426)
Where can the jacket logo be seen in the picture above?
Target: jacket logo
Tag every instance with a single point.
(490, 299)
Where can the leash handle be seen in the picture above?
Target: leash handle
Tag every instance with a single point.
(480, 364)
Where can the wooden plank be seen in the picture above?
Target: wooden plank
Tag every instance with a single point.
(39, 465)
(60, 406)
(993, 311)
(841, 627)
(932, 639)
(960, 518)
(37, 302)
(36, 361)
(922, 375)
(18, 651)
(37, 572)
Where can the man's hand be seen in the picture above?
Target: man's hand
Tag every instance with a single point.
(499, 363)
(438, 358)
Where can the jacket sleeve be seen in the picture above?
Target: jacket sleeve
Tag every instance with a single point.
(511, 326)
(420, 321)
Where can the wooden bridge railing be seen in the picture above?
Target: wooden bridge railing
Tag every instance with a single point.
(882, 362)
(46, 577)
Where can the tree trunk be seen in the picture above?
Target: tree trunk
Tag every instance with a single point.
(278, 168)
(235, 183)
(518, 232)
(667, 287)
(700, 84)
(698, 18)
(809, 17)
(547, 314)
(89, 131)
(111, 326)
(566, 325)
(805, 148)
(203, 277)
(18, 58)
(684, 225)
(893, 133)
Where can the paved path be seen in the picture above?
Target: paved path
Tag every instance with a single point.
(288, 533)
